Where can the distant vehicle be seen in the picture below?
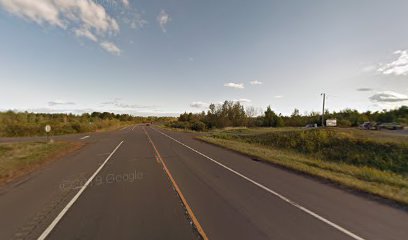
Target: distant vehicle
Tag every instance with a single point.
(390, 126)
(368, 126)
(311, 125)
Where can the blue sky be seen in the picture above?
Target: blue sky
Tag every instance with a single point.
(165, 57)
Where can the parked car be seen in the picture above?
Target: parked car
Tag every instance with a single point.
(311, 125)
(368, 126)
(390, 126)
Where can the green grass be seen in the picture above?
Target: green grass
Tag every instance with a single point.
(331, 145)
(385, 176)
(17, 159)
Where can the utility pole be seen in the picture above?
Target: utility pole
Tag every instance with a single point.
(324, 101)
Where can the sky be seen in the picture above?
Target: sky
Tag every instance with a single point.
(148, 57)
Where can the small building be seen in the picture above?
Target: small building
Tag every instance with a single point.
(331, 122)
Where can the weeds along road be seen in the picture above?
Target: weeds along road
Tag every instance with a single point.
(146, 183)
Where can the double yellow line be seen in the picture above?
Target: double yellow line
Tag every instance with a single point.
(183, 199)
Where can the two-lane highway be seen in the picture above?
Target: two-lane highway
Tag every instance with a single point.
(146, 183)
(130, 198)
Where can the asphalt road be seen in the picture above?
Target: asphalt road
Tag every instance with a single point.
(147, 183)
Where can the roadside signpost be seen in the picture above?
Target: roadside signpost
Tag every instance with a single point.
(47, 131)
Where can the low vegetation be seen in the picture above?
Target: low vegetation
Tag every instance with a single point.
(16, 124)
(375, 163)
(233, 114)
(17, 159)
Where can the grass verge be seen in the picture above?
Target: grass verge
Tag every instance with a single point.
(18, 159)
(385, 184)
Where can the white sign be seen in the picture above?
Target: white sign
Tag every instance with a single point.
(47, 128)
(331, 122)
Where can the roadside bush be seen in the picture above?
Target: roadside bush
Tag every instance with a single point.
(180, 125)
(198, 126)
(76, 127)
(328, 145)
(18, 124)
(14, 130)
(194, 125)
(344, 123)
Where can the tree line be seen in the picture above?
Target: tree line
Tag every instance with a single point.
(31, 124)
(233, 114)
(227, 114)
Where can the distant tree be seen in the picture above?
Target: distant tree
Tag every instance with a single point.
(295, 113)
(270, 117)
(279, 121)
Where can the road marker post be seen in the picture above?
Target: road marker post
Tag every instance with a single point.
(47, 129)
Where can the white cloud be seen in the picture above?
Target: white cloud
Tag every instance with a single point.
(133, 18)
(279, 96)
(59, 102)
(57, 110)
(37, 11)
(389, 100)
(242, 100)
(398, 66)
(256, 82)
(117, 104)
(389, 96)
(199, 104)
(85, 18)
(85, 33)
(110, 47)
(163, 19)
(137, 22)
(234, 85)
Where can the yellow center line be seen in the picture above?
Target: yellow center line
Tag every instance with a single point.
(183, 199)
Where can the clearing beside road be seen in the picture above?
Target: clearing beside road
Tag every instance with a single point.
(17, 159)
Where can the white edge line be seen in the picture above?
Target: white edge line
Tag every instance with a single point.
(341, 229)
(48, 230)
(82, 138)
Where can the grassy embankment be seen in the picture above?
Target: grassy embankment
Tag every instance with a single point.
(17, 159)
(373, 162)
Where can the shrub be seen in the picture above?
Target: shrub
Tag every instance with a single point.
(198, 126)
(329, 145)
(178, 124)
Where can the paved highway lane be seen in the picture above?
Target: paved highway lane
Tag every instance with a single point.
(147, 183)
(230, 205)
(30, 203)
(130, 198)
